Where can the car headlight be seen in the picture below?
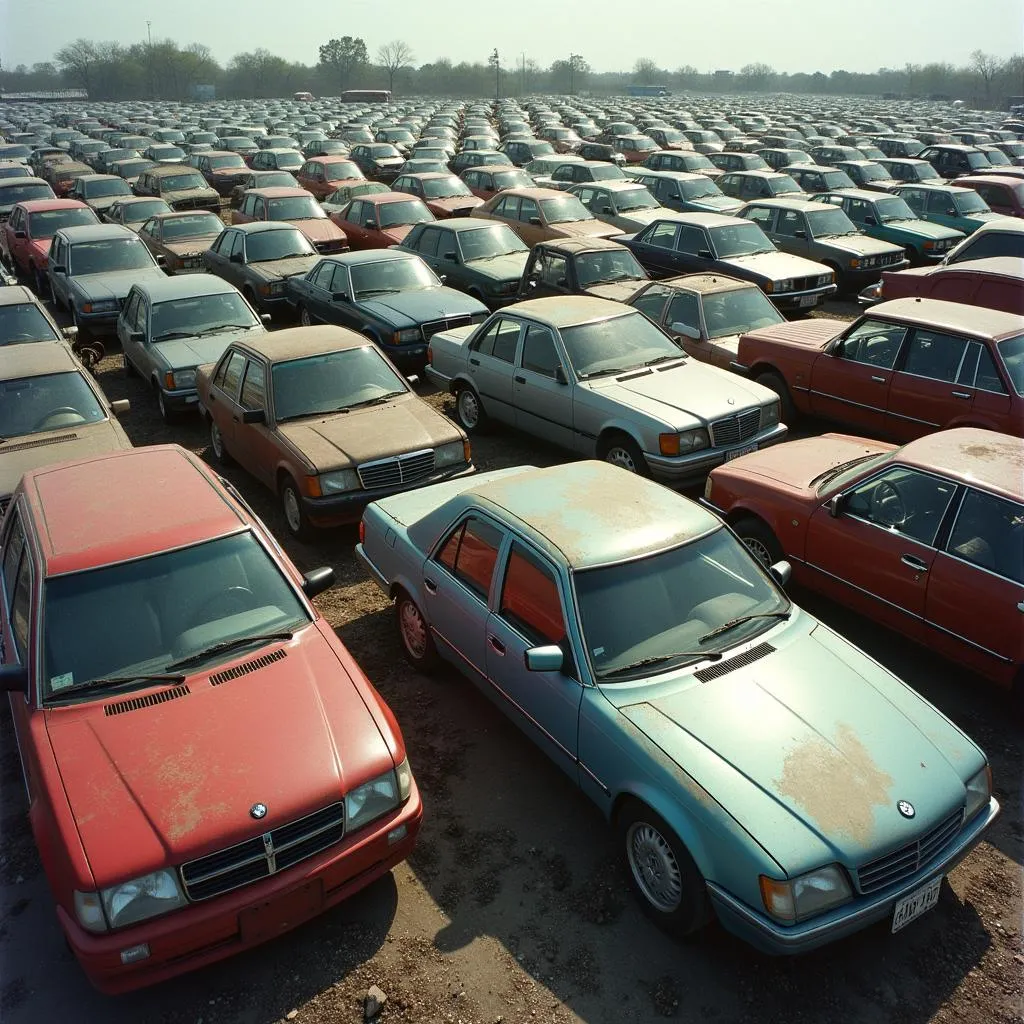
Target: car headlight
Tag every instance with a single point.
(103, 306)
(979, 792)
(929, 244)
(130, 902)
(796, 899)
(769, 414)
(338, 481)
(784, 286)
(369, 801)
(451, 454)
(410, 335)
(684, 442)
(180, 379)
(825, 279)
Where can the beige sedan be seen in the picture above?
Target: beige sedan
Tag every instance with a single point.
(540, 214)
(322, 417)
(181, 239)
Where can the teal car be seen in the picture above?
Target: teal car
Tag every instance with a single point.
(755, 765)
(889, 218)
(950, 205)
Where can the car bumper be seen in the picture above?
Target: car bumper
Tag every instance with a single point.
(98, 323)
(374, 573)
(339, 509)
(808, 299)
(771, 937)
(680, 470)
(408, 358)
(868, 275)
(214, 929)
(181, 400)
(441, 381)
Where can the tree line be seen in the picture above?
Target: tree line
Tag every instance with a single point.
(166, 70)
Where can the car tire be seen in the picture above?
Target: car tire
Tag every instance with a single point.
(217, 446)
(662, 874)
(773, 382)
(167, 414)
(295, 517)
(759, 540)
(414, 634)
(129, 370)
(40, 283)
(622, 451)
(469, 410)
(305, 320)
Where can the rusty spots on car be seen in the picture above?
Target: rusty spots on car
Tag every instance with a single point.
(837, 783)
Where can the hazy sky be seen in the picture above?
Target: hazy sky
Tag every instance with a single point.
(790, 35)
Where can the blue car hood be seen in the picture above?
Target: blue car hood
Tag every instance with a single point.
(114, 284)
(412, 308)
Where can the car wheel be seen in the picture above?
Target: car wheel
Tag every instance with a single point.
(40, 283)
(661, 871)
(414, 634)
(622, 451)
(773, 382)
(469, 411)
(304, 317)
(295, 518)
(759, 539)
(220, 453)
(167, 414)
(129, 370)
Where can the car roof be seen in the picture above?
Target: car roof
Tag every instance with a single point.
(79, 528)
(358, 256)
(952, 316)
(1000, 179)
(28, 179)
(99, 177)
(1011, 224)
(973, 456)
(569, 310)
(1000, 266)
(183, 286)
(704, 220)
(375, 198)
(296, 342)
(595, 514)
(612, 184)
(706, 283)
(791, 203)
(262, 225)
(327, 158)
(860, 193)
(96, 232)
(278, 191)
(460, 223)
(932, 186)
(15, 295)
(162, 169)
(36, 359)
(759, 172)
(530, 193)
(578, 245)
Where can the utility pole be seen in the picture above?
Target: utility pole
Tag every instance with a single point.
(573, 57)
(497, 74)
(523, 55)
(149, 58)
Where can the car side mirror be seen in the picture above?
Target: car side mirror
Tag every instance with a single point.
(265, 318)
(561, 283)
(161, 260)
(606, 209)
(369, 223)
(548, 658)
(835, 505)
(800, 233)
(870, 220)
(21, 234)
(781, 572)
(535, 221)
(14, 678)
(254, 416)
(451, 257)
(951, 212)
(705, 254)
(685, 330)
(58, 269)
(120, 406)
(339, 296)
(137, 336)
(560, 374)
(316, 581)
(69, 332)
(236, 257)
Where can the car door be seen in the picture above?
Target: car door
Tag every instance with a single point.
(254, 444)
(530, 612)
(850, 381)
(223, 403)
(684, 311)
(319, 294)
(131, 331)
(656, 249)
(765, 218)
(351, 220)
(549, 275)
(877, 552)
(530, 225)
(541, 392)
(457, 583)
(427, 247)
(58, 258)
(491, 362)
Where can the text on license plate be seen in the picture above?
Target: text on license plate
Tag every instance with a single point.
(808, 300)
(737, 452)
(917, 903)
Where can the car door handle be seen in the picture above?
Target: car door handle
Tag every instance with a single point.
(212, 397)
(495, 644)
(474, 362)
(877, 379)
(429, 586)
(914, 562)
(520, 380)
(960, 394)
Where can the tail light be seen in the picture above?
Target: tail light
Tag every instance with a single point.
(430, 355)
(362, 531)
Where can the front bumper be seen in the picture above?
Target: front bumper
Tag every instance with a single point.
(181, 399)
(678, 471)
(98, 323)
(211, 930)
(809, 299)
(865, 276)
(769, 936)
(409, 358)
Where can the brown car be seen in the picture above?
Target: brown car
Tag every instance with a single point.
(995, 283)
(61, 176)
(322, 417)
(486, 182)
(181, 238)
(323, 175)
(222, 170)
(538, 214)
(298, 207)
(443, 193)
(381, 220)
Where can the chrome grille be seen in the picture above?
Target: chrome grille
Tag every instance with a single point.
(889, 259)
(436, 326)
(264, 855)
(909, 859)
(333, 245)
(402, 469)
(735, 429)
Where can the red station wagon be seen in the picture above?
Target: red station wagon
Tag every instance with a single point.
(995, 283)
(927, 539)
(207, 766)
(298, 207)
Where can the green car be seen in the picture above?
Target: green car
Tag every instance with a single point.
(950, 205)
(889, 218)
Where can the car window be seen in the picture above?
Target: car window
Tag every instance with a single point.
(539, 353)
(470, 554)
(652, 302)
(322, 276)
(662, 235)
(232, 373)
(938, 203)
(527, 210)
(873, 342)
(508, 207)
(761, 215)
(499, 340)
(14, 545)
(354, 214)
(858, 210)
(529, 598)
(790, 222)
(254, 386)
(684, 309)
(935, 355)
(551, 269)
(692, 241)
(904, 501)
(428, 242)
(989, 532)
(237, 243)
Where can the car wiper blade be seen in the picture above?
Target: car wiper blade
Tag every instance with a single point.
(173, 334)
(227, 645)
(658, 659)
(726, 626)
(664, 359)
(110, 682)
(605, 373)
(223, 327)
(376, 291)
(379, 400)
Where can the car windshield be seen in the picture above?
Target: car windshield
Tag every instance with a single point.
(109, 254)
(997, 158)
(607, 265)
(873, 172)
(331, 382)
(330, 146)
(779, 185)
(290, 161)
(11, 194)
(824, 223)
(976, 160)
(182, 182)
(274, 179)
(192, 226)
(132, 168)
(1012, 351)
(167, 152)
(836, 478)
(52, 401)
(969, 202)
(294, 208)
(201, 314)
(564, 210)
(136, 213)
(655, 614)
(485, 243)
(740, 240)
(837, 179)
(144, 615)
(264, 246)
(616, 344)
(386, 276)
(512, 178)
(738, 311)
(342, 169)
(635, 199)
(223, 162)
(607, 172)
(698, 189)
(110, 187)
(24, 322)
(893, 208)
(444, 188)
(696, 161)
(392, 215)
(672, 135)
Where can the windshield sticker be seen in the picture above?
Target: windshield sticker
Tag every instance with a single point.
(62, 681)
(597, 652)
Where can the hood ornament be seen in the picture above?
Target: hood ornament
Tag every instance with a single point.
(258, 811)
(906, 808)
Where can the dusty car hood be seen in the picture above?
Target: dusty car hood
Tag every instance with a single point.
(457, 205)
(275, 270)
(717, 204)
(421, 306)
(363, 435)
(113, 285)
(809, 334)
(858, 245)
(320, 230)
(176, 780)
(502, 268)
(620, 291)
(104, 203)
(923, 228)
(635, 220)
(183, 353)
(812, 746)
(191, 246)
(20, 454)
(779, 265)
(184, 197)
(584, 229)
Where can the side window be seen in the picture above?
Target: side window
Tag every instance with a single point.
(904, 501)
(858, 210)
(354, 214)
(987, 377)
(260, 209)
(761, 215)
(652, 302)
(233, 373)
(662, 236)
(322, 276)
(528, 209)
(13, 548)
(692, 241)
(790, 222)
(938, 203)
(553, 271)
(428, 242)
(471, 553)
(873, 342)
(989, 532)
(684, 309)
(131, 311)
(237, 243)
(21, 603)
(934, 355)
(539, 353)
(508, 208)
(529, 599)
(254, 386)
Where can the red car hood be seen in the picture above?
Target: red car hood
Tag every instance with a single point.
(40, 247)
(321, 230)
(807, 334)
(160, 785)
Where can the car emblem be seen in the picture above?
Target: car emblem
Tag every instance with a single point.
(906, 808)
(258, 811)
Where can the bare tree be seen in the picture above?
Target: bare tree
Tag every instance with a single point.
(986, 67)
(645, 71)
(392, 57)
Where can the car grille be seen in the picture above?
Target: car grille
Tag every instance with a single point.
(403, 469)
(263, 855)
(909, 859)
(889, 259)
(332, 246)
(735, 429)
(436, 326)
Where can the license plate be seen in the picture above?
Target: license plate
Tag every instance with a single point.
(189, 399)
(737, 452)
(808, 300)
(278, 915)
(916, 904)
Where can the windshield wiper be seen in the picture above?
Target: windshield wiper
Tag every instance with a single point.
(223, 327)
(109, 682)
(726, 626)
(375, 291)
(657, 659)
(664, 359)
(605, 373)
(173, 334)
(227, 645)
(379, 400)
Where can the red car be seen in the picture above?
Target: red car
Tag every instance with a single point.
(445, 195)
(995, 283)
(486, 182)
(298, 207)
(381, 219)
(323, 175)
(29, 230)
(1004, 193)
(904, 369)
(927, 539)
(207, 766)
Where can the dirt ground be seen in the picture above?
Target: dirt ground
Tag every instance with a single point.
(513, 907)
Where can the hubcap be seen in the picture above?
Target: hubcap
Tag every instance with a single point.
(469, 408)
(618, 456)
(654, 866)
(304, 318)
(291, 509)
(216, 441)
(758, 550)
(414, 629)
(160, 402)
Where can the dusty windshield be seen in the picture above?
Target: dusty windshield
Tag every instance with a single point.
(738, 311)
(486, 243)
(264, 246)
(111, 254)
(387, 276)
(192, 226)
(564, 210)
(616, 344)
(740, 240)
(33, 405)
(606, 266)
(295, 208)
